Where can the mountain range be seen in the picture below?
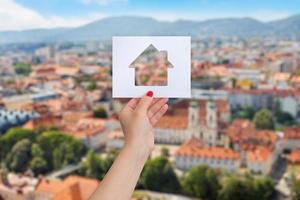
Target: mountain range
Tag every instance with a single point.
(105, 28)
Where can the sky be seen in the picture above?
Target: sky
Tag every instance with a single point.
(30, 14)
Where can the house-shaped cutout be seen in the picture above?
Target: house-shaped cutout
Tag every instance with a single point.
(151, 67)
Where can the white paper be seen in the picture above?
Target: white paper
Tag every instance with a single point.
(127, 49)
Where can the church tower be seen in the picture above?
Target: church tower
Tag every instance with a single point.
(193, 114)
(211, 114)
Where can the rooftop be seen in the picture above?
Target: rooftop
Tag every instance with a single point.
(194, 148)
(260, 154)
(294, 157)
(72, 188)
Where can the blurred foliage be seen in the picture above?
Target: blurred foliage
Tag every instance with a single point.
(201, 182)
(263, 119)
(23, 68)
(11, 137)
(158, 175)
(244, 113)
(100, 112)
(23, 149)
(92, 86)
(60, 149)
(295, 189)
(164, 151)
(18, 158)
(95, 166)
(247, 188)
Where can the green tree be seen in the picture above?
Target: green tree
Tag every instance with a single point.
(11, 137)
(165, 152)
(17, 160)
(58, 157)
(23, 68)
(109, 159)
(245, 113)
(92, 86)
(60, 149)
(36, 150)
(263, 119)
(93, 166)
(158, 175)
(284, 118)
(38, 165)
(201, 182)
(295, 189)
(100, 112)
(264, 188)
(236, 188)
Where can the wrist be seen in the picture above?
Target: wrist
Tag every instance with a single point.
(137, 151)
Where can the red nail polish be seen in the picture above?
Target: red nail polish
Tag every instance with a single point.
(149, 94)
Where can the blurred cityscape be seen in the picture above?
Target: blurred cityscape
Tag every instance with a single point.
(238, 137)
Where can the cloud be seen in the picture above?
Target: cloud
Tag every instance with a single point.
(14, 16)
(103, 2)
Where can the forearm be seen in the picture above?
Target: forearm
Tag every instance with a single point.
(121, 179)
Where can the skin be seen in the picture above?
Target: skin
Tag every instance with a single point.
(137, 119)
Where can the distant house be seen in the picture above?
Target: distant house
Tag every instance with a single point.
(257, 147)
(294, 157)
(93, 132)
(260, 160)
(194, 153)
(151, 67)
(172, 130)
(290, 139)
(203, 119)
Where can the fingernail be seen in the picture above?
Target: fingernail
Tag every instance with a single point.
(149, 94)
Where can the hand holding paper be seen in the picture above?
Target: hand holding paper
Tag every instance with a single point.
(160, 64)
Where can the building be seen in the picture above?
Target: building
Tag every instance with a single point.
(194, 153)
(258, 148)
(255, 76)
(207, 119)
(71, 188)
(172, 130)
(290, 139)
(259, 98)
(294, 157)
(260, 160)
(203, 119)
(92, 131)
(14, 118)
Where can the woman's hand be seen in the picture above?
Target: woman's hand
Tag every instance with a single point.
(138, 118)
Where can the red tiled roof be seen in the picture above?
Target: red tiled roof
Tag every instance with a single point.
(72, 188)
(244, 133)
(294, 157)
(292, 133)
(260, 154)
(195, 148)
(84, 127)
(172, 122)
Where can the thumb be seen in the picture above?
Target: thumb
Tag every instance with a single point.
(145, 102)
